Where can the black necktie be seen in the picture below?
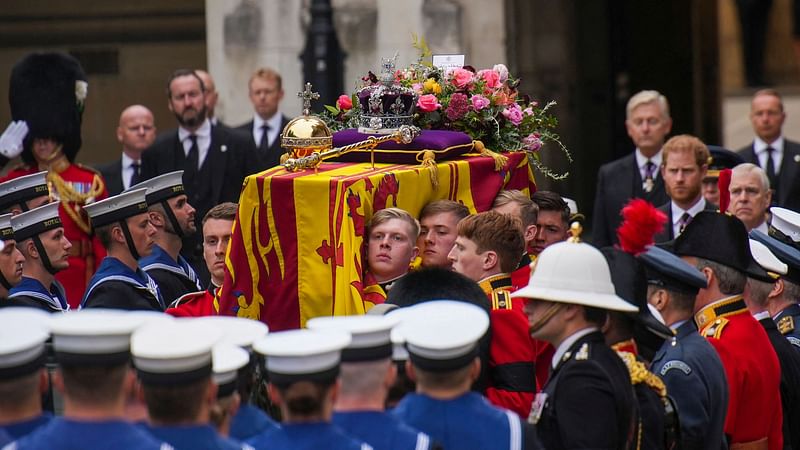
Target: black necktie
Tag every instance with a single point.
(263, 145)
(683, 222)
(136, 176)
(190, 170)
(770, 168)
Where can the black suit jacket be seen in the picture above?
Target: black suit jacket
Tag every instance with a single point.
(667, 234)
(789, 359)
(787, 194)
(617, 183)
(112, 174)
(273, 156)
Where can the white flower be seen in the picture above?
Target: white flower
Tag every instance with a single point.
(81, 89)
(501, 70)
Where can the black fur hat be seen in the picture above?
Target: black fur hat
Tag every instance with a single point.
(48, 91)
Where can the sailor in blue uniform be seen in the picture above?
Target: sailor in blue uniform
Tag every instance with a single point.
(11, 259)
(173, 218)
(24, 193)
(688, 364)
(174, 361)
(248, 420)
(40, 237)
(303, 366)
(442, 341)
(123, 226)
(93, 351)
(23, 332)
(367, 372)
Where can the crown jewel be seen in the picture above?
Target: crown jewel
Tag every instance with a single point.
(385, 104)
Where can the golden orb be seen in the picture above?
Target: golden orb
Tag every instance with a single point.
(304, 135)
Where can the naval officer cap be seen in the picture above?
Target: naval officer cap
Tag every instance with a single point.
(302, 355)
(227, 360)
(23, 332)
(119, 207)
(19, 190)
(174, 352)
(162, 187)
(664, 269)
(35, 222)
(788, 254)
(785, 225)
(238, 331)
(94, 337)
(768, 261)
(442, 335)
(370, 335)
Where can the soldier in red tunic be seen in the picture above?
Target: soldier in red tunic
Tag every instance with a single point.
(486, 250)
(47, 93)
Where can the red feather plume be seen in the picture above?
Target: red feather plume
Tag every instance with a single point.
(724, 183)
(641, 221)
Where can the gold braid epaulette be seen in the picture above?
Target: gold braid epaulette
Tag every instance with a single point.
(68, 195)
(640, 374)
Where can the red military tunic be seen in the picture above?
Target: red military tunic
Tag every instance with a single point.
(74, 185)
(195, 304)
(512, 351)
(751, 368)
(544, 351)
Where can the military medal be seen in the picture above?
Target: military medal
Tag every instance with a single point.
(536, 409)
(648, 185)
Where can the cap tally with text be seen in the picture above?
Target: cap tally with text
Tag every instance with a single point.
(6, 230)
(227, 360)
(442, 335)
(35, 222)
(173, 353)
(238, 331)
(22, 343)
(370, 335)
(574, 273)
(118, 207)
(785, 225)
(93, 337)
(19, 190)
(162, 187)
(768, 261)
(785, 252)
(663, 269)
(302, 355)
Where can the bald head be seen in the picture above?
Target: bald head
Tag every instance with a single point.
(136, 130)
(211, 91)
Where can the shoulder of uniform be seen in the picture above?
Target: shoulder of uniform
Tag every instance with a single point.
(786, 324)
(188, 298)
(501, 299)
(21, 167)
(640, 375)
(714, 328)
(88, 169)
(582, 353)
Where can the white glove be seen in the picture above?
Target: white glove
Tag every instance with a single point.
(11, 139)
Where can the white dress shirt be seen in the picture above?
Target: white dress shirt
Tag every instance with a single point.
(760, 147)
(203, 141)
(127, 170)
(677, 212)
(641, 162)
(274, 124)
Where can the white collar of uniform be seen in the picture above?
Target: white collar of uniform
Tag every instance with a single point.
(567, 343)
(203, 132)
(676, 325)
(677, 212)
(763, 227)
(762, 315)
(760, 146)
(641, 160)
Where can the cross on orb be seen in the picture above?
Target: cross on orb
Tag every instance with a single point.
(307, 95)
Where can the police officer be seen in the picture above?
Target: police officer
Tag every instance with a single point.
(24, 193)
(173, 218)
(442, 341)
(785, 310)
(123, 225)
(94, 375)
(42, 241)
(588, 400)
(367, 373)
(688, 364)
(303, 367)
(174, 363)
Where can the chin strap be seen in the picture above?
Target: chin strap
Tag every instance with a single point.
(43, 256)
(177, 229)
(542, 321)
(5, 282)
(129, 239)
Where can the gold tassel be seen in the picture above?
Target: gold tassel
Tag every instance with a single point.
(429, 162)
(500, 161)
(284, 157)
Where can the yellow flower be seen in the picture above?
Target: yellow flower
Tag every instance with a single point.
(430, 85)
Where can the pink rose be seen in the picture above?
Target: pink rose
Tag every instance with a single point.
(491, 78)
(528, 111)
(479, 102)
(502, 72)
(462, 78)
(428, 103)
(513, 113)
(417, 87)
(532, 142)
(344, 103)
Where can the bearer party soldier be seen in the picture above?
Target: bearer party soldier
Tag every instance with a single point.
(42, 241)
(123, 225)
(173, 218)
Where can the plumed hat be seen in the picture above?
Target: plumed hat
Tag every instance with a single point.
(48, 91)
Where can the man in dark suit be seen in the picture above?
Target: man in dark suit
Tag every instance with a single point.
(266, 93)
(636, 175)
(778, 156)
(136, 132)
(685, 163)
(215, 160)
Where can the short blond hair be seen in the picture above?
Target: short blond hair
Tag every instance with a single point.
(646, 97)
(387, 214)
(268, 74)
